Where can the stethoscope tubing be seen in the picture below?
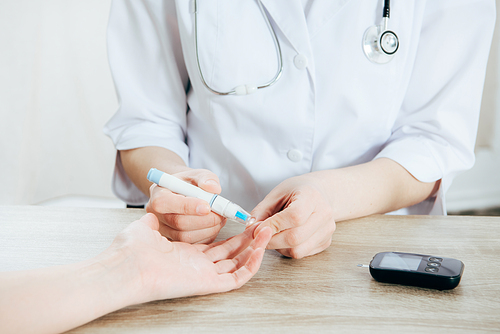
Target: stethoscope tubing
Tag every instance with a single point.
(376, 53)
(276, 44)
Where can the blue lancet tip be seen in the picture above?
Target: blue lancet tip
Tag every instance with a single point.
(241, 215)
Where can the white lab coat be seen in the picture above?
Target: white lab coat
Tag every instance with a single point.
(337, 109)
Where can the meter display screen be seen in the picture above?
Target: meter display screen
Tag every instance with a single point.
(400, 261)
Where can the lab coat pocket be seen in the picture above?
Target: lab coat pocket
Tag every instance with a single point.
(235, 45)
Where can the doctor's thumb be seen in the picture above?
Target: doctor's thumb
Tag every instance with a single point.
(271, 222)
(210, 182)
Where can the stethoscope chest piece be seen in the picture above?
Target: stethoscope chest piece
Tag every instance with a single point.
(380, 47)
(379, 43)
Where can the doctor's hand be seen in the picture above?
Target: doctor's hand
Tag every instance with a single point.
(300, 215)
(187, 219)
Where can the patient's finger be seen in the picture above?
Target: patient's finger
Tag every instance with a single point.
(225, 266)
(230, 265)
(230, 281)
(231, 247)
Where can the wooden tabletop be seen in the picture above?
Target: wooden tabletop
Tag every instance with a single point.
(322, 293)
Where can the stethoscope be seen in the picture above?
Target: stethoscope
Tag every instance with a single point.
(248, 88)
(379, 45)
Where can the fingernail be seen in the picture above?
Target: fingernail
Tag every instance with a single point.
(211, 182)
(202, 209)
(274, 228)
(251, 221)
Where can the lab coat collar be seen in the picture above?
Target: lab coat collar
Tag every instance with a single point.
(321, 12)
(292, 23)
(295, 26)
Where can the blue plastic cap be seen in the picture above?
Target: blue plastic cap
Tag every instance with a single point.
(241, 215)
(154, 175)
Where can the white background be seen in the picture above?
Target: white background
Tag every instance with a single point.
(56, 93)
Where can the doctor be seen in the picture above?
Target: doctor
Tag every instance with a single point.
(290, 107)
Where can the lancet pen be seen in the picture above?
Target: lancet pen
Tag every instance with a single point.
(218, 204)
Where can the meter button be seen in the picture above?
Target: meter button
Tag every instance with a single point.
(435, 259)
(433, 264)
(431, 270)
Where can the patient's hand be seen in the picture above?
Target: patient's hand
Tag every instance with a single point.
(163, 269)
(139, 266)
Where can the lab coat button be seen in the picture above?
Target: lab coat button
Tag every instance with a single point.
(294, 155)
(300, 61)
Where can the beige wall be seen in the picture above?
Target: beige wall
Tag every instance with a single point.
(480, 187)
(56, 93)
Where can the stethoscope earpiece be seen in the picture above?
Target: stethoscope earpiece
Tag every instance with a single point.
(379, 43)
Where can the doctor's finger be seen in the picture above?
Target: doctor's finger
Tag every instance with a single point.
(320, 221)
(164, 201)
(295, 236)
(318, 243)
(190, 237)
(270, 205)
(202, 178)
(294, 215)
(192, 223)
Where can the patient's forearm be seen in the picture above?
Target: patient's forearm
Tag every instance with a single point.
(57, 299)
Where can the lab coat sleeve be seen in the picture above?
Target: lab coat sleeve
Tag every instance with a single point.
(150, 78)
(435, 131)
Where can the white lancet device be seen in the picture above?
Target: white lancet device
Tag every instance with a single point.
(217, 203)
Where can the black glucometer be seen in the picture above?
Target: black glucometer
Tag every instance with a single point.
(425, 271)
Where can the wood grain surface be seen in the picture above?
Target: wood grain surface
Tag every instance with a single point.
(322, 293)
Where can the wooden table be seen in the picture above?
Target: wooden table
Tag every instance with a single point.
(322, 293)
